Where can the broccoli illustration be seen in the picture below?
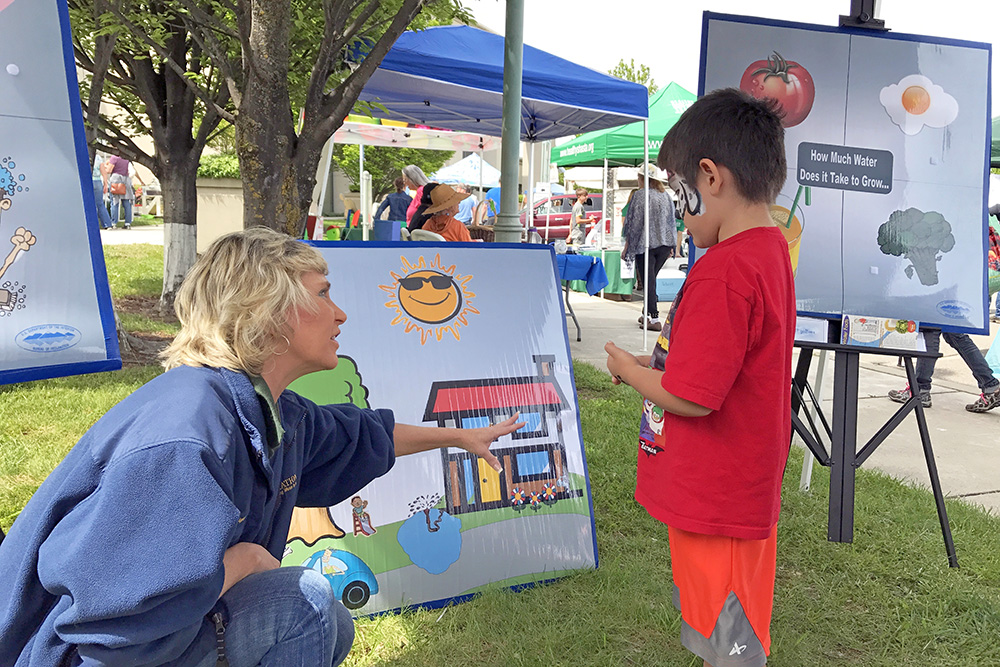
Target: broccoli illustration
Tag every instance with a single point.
(919, 237)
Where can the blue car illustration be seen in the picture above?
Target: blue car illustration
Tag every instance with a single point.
(352, 580)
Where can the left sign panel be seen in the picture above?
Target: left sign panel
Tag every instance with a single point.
(55, 305)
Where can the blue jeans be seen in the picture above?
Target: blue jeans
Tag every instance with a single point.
(287, 617)
(102, 211)
(126, 203)
(970, 354)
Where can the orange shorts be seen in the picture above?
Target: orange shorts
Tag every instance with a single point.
(724, 588)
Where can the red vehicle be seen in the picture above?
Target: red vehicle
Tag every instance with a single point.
(553, 215)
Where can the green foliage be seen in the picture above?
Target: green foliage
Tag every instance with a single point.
(636, 74)
(219, 165)
(385, 164)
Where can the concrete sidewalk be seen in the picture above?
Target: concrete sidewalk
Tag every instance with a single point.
(966, 445)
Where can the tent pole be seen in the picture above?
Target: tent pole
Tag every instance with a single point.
(322, 190)
(508, 225)
(604, 209)
(530, 199)
(361, 187)
(645, 218)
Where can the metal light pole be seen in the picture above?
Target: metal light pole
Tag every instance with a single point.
(508, 226)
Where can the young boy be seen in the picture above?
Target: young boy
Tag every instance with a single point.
(716, 424)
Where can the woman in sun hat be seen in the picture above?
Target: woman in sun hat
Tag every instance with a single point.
(444, 205)
(662, 237)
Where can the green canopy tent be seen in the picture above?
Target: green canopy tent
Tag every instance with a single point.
(622, 146)
(627, 145)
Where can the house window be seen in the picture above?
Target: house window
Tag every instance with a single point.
(533, 465)
(475, 422)
(534, 426)
(470, 482)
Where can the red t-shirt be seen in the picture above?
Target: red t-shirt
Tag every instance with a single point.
(730, 349)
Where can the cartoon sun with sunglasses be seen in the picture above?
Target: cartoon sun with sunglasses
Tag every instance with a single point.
(429, 298)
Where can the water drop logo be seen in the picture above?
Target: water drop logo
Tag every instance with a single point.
(48, 338)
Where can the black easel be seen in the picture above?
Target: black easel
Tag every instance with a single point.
(844, 457)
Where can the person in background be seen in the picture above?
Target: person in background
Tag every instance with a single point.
(994, 212)
(420, 215)
(989, 386)
(415, 180)
(157, 540)
(121, 190)
(100, 188)
(662, 239)
(445, 201)
(578, 219)
(397, 202)
(466, 206)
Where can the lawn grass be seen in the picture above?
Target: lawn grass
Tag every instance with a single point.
(134, 269)
(135, 275)
(888, 599)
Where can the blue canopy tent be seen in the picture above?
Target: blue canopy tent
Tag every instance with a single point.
(452, 77)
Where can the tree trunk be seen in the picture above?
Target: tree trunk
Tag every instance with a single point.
(265, 136)
(180, 214)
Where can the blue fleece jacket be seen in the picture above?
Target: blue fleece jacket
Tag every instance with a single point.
(117, 558)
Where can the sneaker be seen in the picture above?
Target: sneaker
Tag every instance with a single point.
(903, 395)
(128, 226)
(985, 402)
(652, 324)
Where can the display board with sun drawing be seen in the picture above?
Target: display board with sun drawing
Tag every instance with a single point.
(887, 145)
(455, 335)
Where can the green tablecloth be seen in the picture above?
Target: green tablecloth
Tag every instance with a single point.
(612, 266)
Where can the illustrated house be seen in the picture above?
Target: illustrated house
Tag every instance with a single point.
(536, 455)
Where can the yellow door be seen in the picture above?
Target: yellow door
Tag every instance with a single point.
(489, 482)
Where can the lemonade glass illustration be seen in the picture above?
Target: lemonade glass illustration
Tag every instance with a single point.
(791, 228)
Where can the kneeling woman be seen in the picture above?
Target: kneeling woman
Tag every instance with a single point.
(157, 539)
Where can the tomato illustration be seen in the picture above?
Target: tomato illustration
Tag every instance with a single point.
(786, 82)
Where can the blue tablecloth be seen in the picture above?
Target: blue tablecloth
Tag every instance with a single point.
(583, 267)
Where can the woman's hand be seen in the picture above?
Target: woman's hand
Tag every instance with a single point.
(478, 440)
(243, 559)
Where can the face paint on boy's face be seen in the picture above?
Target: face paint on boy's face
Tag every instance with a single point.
(687, 195)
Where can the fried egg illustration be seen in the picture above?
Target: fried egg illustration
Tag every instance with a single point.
(916, 101)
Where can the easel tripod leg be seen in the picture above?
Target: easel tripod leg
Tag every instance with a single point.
(925, 441)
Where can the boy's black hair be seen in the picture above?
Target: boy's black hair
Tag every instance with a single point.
(735, 131)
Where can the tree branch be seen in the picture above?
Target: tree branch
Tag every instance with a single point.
(164, 55)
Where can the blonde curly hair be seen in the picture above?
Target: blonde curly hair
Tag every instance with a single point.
(235, 302)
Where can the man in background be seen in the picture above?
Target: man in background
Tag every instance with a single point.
(466, 206)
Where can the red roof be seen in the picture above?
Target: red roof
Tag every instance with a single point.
(493, 396)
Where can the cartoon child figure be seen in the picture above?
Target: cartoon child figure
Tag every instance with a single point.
(362, 520)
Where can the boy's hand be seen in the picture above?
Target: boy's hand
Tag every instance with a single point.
(619, 361)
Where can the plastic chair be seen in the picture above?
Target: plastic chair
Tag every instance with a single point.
(404, 234)
(424, 235)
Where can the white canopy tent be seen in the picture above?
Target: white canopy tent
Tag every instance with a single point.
(369, 134)
(471, 170)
